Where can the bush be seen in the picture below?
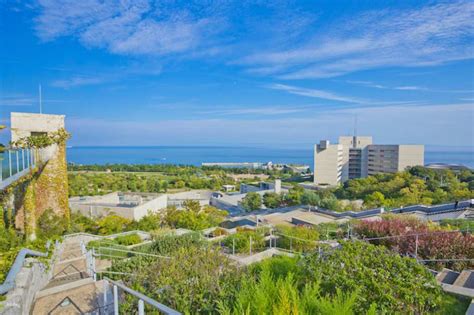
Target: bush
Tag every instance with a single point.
(395, 284)
(297, 238)
(252, 201)
(241, 241)
(439, 245)
(81, 223)
(458, 224)
(50, 224)
(112, 224)
(193, 281)
(127, 240)
(271, 200)
(268, 293)
(169, 243)
(150, 222)
(194, 217)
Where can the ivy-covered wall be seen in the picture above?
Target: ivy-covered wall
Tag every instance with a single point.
(46, 187)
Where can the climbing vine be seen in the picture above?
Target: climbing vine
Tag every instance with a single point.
(44, 140)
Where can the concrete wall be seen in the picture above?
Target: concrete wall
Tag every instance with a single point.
(410, 155)
(23, 124)
(98, 208)
(155, 205)
(330, 164)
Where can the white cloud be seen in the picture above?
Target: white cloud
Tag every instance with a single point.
(77, 81)
(265, 111)
(316, 93)
(17, 100)
(430, 35)
(410, 88)
(123, 27)
(403, 126)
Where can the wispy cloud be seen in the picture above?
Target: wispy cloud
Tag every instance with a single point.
(17, 100)
(107, 75)
(126, 27)
(326, 124)
(426, 36)
(314, 93)
(77, 81)
(265, 111)
(410, 88)
(367, 84)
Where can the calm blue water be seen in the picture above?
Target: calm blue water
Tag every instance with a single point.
(198, 155)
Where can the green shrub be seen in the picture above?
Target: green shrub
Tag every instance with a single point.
(50, 224)
(252, 201)
(395, 284)
(130, 239)
(240, 241)
(194, 217)
(270, 294)
(297, 238)
(112, 224)
(168, 244)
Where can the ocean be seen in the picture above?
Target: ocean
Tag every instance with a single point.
(195, 155)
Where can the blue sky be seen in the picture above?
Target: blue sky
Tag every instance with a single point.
(286, 74)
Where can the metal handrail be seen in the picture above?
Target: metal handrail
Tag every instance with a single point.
(105, 236)
(18, 163)
(9, 282)
(141, 299)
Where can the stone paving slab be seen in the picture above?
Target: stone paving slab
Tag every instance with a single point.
(72, 301)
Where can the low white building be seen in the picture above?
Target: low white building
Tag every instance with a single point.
(132, 206)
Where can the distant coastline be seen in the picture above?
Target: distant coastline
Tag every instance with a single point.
(195, 155)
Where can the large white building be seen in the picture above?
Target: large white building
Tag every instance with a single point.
(356, 157)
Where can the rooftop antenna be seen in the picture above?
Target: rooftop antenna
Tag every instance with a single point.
(354, 138)
(40, 100)
(355, 125)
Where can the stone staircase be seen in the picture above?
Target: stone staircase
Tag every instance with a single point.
(461, 283)
(71, 290)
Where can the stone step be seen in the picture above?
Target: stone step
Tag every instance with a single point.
(465, 279)
(75, 298)
(71, 254)
(70, 266)
(59, 281)
(447, 276)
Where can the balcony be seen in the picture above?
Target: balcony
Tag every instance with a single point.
(15, 163)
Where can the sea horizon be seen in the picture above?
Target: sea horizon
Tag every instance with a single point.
(198, 154)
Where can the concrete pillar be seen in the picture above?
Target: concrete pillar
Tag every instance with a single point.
(278, 186)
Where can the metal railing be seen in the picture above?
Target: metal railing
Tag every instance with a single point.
(142, 299)
(9, 282)
(15, 163)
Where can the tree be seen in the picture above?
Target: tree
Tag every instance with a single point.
(310, 198)
(294, 195)
(112, 224)
(375, 199)
(252, 201)
(193, 216)
(271, 200)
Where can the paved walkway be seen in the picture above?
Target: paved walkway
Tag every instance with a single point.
(71, 290)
